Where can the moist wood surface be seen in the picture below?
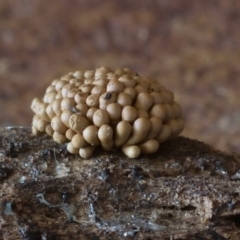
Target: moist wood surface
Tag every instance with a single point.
(187, 190)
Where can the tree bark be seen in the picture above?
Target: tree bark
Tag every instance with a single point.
(187, 190)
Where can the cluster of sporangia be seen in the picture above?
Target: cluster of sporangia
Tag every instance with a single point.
(108, 108)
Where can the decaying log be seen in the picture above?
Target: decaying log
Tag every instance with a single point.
(187, 190)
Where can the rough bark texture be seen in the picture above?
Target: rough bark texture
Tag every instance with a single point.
(187, 190)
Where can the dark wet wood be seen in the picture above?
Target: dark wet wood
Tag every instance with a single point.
(187, 190)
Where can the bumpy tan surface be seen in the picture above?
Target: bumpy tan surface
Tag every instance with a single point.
(111, 108)
(187, 190)
(191, 47)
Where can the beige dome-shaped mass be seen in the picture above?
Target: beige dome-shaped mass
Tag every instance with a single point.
(107, 108)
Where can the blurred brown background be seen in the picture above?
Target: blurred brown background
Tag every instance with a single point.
(191, 47)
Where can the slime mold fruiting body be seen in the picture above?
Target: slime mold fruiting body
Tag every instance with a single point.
(107, 108)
